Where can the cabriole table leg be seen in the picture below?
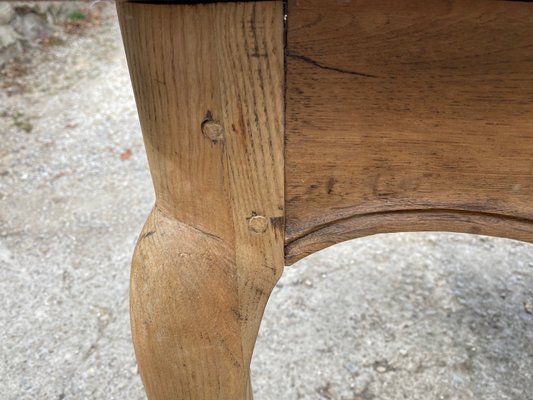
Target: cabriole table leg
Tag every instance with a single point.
(208, 82)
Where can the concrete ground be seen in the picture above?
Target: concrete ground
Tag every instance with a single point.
(403, 316)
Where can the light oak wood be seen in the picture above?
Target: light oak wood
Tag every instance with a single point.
(400, 116)
(208, 82)
(408, 115)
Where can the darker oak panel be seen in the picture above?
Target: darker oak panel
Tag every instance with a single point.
(407, 115)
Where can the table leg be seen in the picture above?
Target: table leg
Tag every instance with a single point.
(208, 82)
(188, 313)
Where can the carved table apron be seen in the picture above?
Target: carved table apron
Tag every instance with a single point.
(274, 129)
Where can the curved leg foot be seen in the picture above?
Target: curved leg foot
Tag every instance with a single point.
(187, 314)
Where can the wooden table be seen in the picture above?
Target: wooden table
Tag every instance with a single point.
(275, 129)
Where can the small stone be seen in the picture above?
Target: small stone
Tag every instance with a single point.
(6, 13)
(31, 26)
(351, 368)
(8, 37)
(528, 307)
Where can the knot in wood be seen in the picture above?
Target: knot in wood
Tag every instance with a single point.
(258, 224)
(213, 130)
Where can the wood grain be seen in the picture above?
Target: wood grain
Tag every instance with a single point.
(408, 115)
(208, 82)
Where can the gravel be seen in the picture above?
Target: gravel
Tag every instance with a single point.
(402, 316)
